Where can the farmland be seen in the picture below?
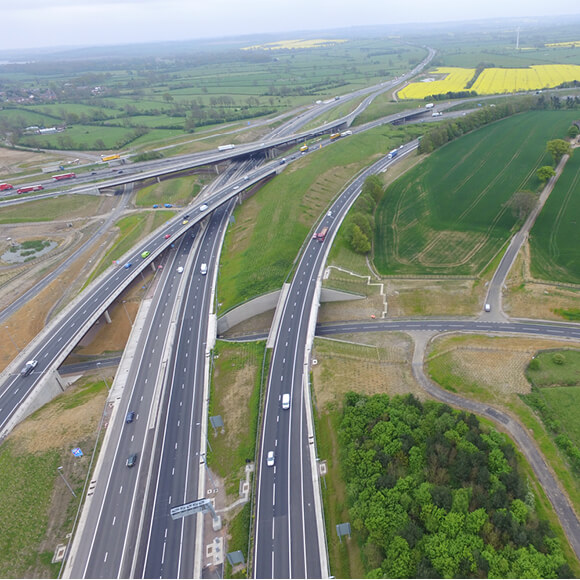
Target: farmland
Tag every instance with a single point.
(447, 216)
(492, 80)
(555, 237)
(120, 101)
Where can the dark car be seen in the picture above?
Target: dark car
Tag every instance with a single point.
(130, 417)
(131, 460)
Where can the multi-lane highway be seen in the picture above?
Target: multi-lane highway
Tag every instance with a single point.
(289, 536)
(108, 531)
(169, 545)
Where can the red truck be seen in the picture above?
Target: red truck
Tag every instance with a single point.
(28, 188)
(64, 176)
(5, 186)
(321, 235)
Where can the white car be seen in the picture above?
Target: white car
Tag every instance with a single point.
(270, 459)
(203, 207)
(488, 307)
(180, 270)
(286, 401)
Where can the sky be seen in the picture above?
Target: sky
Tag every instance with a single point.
(48, 23)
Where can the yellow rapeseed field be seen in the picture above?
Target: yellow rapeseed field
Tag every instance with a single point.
(299, 43)
(449, 79)
(493, 81)
(568, 43)
(510, 80)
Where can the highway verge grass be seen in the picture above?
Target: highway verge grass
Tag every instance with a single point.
(493, 370)
(131, 229)
(449, 214)
(37, 510)
(178, 191)
(239, 374)
(235, 396)
(261, 246)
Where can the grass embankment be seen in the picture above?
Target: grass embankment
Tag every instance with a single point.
(448, 215)
(235, 395)
(555, 237)
(179, 191)
(262, 245)
(131, 229)
(64, 207)
(493, 370)
(37, 510)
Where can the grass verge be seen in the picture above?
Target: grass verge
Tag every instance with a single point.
(64, 207)
(36, 508)
(131, 229)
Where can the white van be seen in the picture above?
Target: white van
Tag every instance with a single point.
(203, 269)
(286, 401)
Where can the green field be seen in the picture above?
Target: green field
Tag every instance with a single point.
(104, 103)
(555, 237)
(50, 209)
(448, 215)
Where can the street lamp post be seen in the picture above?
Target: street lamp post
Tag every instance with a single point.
(59, 469)
(128, 317)
(102, 377)
(11, 339)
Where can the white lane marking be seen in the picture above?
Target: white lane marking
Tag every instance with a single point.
(274, 494)
(121, 489)
(114, 520)
(106, 555)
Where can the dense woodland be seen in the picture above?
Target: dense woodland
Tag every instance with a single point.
(433, 494)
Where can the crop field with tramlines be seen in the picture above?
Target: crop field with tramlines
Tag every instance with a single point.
(448, 215)
(492, 81)
(555, 237)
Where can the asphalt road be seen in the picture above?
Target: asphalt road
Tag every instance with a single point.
(168, 550)
(109, 532)
(289, 538)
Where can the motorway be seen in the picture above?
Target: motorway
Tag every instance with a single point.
(115, 496)
(289, 538)
(169, 551)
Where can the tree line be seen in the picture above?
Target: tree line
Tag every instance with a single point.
(433, 494)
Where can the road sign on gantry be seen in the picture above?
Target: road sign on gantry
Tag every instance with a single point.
(193, 507)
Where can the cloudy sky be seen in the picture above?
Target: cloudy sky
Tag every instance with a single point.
(38, 23)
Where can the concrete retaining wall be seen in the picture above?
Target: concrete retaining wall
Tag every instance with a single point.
(269, 302)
